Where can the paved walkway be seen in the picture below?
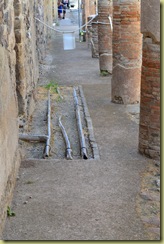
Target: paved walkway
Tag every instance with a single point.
(83, 200)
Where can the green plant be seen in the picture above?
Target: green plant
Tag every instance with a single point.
(59, 99)
(29, 182)
(104, 73)
(52, 86)
(10, 213)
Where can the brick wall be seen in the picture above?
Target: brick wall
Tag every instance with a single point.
(149, 131)
(127, 50)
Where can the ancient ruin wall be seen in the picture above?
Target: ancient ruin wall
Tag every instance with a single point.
(9, 155)
(19, 74)
(43, 11)
(149, 133)
(127, 50)
(26, 57)
(31, 35)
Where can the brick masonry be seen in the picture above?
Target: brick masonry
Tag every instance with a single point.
(105, 9)
(149, 130)
(127, 50)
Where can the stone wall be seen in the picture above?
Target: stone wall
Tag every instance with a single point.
(43, 11)
(21, 40)
(149, 133)
(9, 154)
(31, 35)
(26, 56)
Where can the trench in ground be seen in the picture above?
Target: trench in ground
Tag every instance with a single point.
(59, 107)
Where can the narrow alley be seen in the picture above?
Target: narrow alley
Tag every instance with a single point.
(94, 199)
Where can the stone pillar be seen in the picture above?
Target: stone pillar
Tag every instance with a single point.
(92, 7)
(149, 130)
(127, 47)
(93, 36)
(105, 36)
(85, 12)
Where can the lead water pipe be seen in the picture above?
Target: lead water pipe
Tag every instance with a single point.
(80, 129)
(47, 147)
(67, 142)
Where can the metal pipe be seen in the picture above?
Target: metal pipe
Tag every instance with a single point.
(79, 8)
(80, 129)
(47, 148)
(67, 142)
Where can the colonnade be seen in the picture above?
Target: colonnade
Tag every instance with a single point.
(130, 51)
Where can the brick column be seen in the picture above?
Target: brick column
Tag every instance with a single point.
(105, 9)
(149, 130)
(127, 41)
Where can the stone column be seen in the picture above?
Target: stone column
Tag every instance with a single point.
(93, 35)
(105, 36)
(92, 7)
(127, 46)
(149, 130)
(85, 12)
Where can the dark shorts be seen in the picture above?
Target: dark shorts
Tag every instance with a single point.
(60, 10)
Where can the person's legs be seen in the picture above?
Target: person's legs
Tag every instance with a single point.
(64, 11)
(64, 14)
(59, 12)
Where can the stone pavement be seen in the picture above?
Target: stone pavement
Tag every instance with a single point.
(83, 199)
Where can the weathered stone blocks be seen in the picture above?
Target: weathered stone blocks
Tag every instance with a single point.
(27, 60)
(9, 153)
(18, 77)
